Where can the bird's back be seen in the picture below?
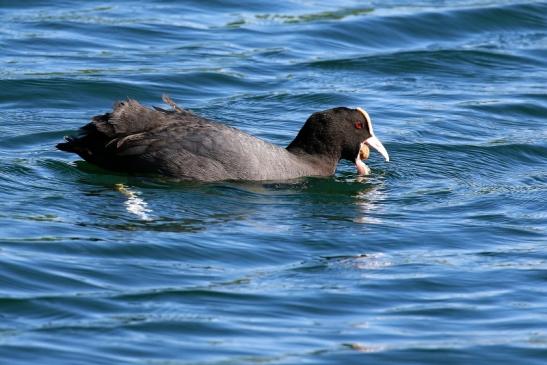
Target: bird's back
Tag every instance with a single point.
(180, 144)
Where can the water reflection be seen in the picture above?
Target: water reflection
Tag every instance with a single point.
(368, 201)
(134, 204)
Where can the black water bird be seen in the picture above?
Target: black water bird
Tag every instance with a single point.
(183, 145)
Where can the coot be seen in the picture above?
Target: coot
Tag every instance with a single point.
(183, 145)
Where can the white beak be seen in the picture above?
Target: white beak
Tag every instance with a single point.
(378, 146)
(373, 141)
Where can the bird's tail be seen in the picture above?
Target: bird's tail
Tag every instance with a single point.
(70, 145)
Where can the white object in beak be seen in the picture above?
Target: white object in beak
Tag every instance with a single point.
(362, 168)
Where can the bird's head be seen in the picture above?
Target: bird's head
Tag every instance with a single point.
(339, 133)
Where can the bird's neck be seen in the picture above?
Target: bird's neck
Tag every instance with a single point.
(323, 160)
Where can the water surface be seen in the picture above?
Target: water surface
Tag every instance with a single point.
(438, 256)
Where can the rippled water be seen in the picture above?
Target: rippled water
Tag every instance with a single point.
(439, 256)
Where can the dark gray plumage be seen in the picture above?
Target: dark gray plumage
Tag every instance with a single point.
(183, 145)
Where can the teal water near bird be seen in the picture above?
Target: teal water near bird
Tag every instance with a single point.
(438, 256)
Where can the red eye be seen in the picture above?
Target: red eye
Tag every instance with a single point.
(358, 125)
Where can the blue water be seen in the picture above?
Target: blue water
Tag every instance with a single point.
(438, 257)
